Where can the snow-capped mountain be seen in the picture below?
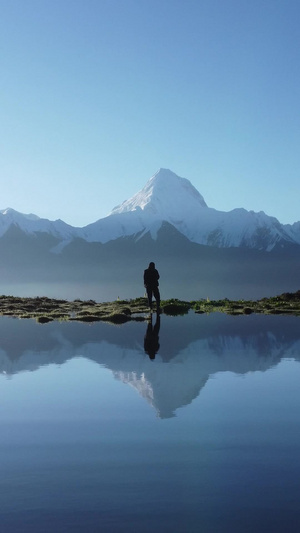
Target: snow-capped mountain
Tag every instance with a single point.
(32, 224)
(165, 195)
(166, 198)
(294, 230)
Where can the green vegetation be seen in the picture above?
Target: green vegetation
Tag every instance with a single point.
(287, 303)
(45, 309)
(175, 307)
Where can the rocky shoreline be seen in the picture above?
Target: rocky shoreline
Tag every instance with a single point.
(45, 309)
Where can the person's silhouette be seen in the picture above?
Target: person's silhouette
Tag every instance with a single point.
(151, 339)
(151, 277)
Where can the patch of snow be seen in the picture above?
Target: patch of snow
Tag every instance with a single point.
(60, 246)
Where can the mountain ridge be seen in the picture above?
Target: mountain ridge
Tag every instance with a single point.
(169, 198)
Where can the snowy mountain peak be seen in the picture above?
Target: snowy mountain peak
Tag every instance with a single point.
(14, 215)
(166, 195)
(169, 198)
(166, 198)
(32, 224)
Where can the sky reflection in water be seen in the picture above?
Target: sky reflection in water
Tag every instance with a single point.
(96, 435)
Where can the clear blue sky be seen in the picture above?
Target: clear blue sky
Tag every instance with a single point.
(97, 95)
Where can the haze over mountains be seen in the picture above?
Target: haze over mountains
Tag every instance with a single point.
(168, 221)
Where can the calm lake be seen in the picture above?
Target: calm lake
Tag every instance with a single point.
(190, 424)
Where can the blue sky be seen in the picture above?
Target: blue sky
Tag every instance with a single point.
(97, 95)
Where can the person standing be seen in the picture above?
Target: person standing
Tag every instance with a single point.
(151, 277)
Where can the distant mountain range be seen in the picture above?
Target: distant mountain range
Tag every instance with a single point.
(166, 198)
(199, 251)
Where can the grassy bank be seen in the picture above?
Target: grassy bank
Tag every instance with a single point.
(45, 309)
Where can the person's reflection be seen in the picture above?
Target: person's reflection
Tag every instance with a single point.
(151, 340)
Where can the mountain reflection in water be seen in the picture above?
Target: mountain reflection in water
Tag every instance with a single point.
(168, 361)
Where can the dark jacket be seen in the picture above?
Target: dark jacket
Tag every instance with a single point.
(151, 277)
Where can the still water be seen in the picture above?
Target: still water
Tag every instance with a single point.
(191, 425)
